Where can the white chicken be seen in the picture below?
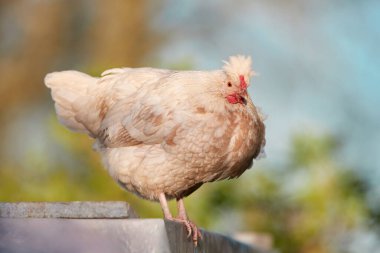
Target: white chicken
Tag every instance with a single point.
(163, 133)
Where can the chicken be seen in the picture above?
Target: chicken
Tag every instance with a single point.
(162, 134)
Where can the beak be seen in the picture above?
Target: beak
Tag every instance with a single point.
(243, 96)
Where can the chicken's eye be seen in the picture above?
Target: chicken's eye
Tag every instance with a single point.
(229, 84)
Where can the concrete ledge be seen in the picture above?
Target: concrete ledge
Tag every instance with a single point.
(73, 210)
(111, 235)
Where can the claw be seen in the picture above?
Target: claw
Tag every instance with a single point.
(197, 233)
(191, 228)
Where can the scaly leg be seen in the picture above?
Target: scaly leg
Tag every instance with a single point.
(182, 217)
(165, 207)
(190, 226)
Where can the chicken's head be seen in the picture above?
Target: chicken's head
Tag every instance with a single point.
(238, 72)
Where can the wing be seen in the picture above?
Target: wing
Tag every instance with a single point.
(141, 119)
(114, 86)
(150, 113)
(120, 83)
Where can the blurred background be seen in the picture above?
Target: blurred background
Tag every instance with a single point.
(319, 83)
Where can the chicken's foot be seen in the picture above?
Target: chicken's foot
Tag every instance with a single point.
(191, 228)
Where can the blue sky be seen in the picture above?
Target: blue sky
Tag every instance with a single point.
(319, 65)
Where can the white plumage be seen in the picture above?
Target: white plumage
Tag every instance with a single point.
(164, 133)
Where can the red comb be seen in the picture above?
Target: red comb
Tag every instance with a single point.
(243, 84)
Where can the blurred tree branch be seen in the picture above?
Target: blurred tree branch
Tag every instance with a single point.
(41, 36)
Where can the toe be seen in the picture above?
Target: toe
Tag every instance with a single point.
(192, 229)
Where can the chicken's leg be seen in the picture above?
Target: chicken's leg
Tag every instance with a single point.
(182, 217)
(190, 226)
(165, 207)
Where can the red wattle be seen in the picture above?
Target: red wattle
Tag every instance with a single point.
(233, 99)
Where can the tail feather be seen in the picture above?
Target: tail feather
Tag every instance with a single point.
(67, 87)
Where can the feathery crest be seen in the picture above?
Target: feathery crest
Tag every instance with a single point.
(239, 65)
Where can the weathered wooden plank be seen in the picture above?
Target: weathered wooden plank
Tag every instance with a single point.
(34, 235)
(74, 210)
(99, 227)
